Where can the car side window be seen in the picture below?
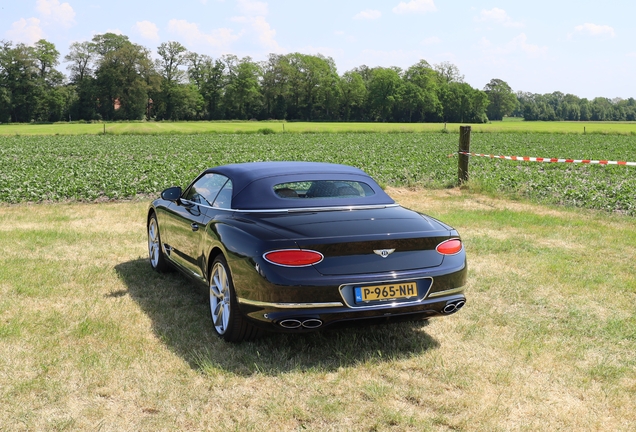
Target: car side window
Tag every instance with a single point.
(205, 189)
(224, 198)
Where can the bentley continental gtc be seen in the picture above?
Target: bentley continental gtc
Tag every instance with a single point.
(300, 246)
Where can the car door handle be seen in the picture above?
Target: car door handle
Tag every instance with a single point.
(195, 227)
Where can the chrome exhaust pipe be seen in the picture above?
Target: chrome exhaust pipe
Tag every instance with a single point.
(290, 324)
(453, 306)
(312, 323)
(449, 308)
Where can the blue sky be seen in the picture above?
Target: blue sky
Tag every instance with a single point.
(587, 48)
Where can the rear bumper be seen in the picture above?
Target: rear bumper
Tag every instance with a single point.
(302, 317)
(285, 305)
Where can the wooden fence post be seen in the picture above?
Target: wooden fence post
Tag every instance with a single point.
(464, 146)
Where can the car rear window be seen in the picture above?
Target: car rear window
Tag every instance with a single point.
(317, 189)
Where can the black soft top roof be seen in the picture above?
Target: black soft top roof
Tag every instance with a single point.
(253, 184)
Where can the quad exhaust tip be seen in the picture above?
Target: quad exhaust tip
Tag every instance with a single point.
(310, 323)
(454, 306)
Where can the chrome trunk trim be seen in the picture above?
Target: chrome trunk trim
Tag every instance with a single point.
(298, 210)
(319, 209)
(290, 305)
(447, 292)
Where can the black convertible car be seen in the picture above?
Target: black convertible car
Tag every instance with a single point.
(297, 246)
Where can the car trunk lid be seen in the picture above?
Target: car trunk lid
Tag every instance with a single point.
(365, 241)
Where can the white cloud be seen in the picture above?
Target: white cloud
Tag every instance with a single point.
(347, 37)
(51, 12)
(497, 16)
(415, 6)
(248, 7)
(595, 30)
(254, 13)
(147, 30)
(264, 33)
(484, 44)
(431, 41)
(190, 32)
(368, 14)
(516, 45)
(55, 12)
(521, 43)
(27, 31)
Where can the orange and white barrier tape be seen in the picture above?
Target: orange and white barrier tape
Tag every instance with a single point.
(554, 160)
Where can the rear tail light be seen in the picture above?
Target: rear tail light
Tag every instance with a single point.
(449, 247)
(293, 257)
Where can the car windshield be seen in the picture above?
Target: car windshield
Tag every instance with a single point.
(321, 189)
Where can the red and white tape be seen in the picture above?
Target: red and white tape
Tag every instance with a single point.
(553, 160)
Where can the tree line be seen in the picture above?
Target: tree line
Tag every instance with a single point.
(559, 106)
(111, 78)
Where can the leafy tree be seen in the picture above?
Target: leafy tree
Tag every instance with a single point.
(449, 73)
(353, 93)
(190, 103)
(630, 109)
(601, 109)
(502, 101)
(47, 57)
(208, 75)
(242, 94)
(328, 94)
(423, 76)
(5, 105)
(19, 77)
(53, 101)
(123, 78)
(309, 75)
(462, 103)
(274, 86)
(585, 109)
(411, 100)
(80, 57)
(173, 56)
(384, 91)
(109, 42)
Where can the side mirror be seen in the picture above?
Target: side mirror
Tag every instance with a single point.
(171, 194)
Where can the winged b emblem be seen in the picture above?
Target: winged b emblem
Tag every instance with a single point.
(383, 252)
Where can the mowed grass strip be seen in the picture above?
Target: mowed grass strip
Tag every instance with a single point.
(276, 126)
(91, 338)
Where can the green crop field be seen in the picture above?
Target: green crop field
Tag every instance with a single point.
(92, 167)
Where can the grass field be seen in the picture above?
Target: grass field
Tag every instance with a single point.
(622, 128)
(92, 339)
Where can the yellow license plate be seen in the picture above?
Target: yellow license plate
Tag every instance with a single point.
(386, 292)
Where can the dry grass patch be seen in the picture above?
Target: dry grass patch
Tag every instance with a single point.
(91, 338)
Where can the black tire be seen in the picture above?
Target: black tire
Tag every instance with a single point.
(155, 249)
(227, 320)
